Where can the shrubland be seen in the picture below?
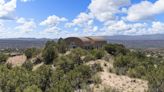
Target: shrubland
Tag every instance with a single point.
(60, 72)
(137, 65)
(3, 58)
(63, 72)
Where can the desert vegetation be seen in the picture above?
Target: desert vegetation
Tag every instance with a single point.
(78, 70)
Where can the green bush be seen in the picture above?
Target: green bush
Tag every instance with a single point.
(76, 57)
(31, 52)
(43, 77)
(49, 54)
(9, 65)
(137, 72)
(28, 65)
(89, 57)
(122, 61)
(156, 79)
(65, 64)
(3, 58)
(50, 44)
(32, 88)
(85, 71)
(98, 53)
(15, 78)
(79, 51)
(62, 46)
(115, 49)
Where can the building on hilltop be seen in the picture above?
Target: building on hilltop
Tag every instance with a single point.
(85, 42)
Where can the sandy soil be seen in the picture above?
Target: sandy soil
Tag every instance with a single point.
(37, 66)
(119, 82)
(17, 60)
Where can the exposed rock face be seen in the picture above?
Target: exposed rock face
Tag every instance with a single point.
(17, 60)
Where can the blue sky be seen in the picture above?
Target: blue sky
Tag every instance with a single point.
(63, 18)
(40, 9)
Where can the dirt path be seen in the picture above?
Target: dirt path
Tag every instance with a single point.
(119, 82)
(37, 66)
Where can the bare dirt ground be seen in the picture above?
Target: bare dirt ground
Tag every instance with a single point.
(119, 82)
(17, 60)
(37, 66)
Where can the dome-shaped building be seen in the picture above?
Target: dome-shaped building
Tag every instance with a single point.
(85, 42)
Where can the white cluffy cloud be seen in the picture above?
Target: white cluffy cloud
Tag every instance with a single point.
(52, 23)
(25, 25)
(2, 27)
(54, 29)
(84, 21)
(4, 31)
(123, 28)
(101, 10)
(157, 27)
(81, 19)
(7, 7)
(145, 10)
(105, 10)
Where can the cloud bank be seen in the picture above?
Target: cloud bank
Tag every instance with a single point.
(102, 17)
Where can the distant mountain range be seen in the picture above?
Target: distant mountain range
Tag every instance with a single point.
(139, 41)
(22, 43)
(136, 37)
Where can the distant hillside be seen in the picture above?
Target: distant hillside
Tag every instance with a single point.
(22, 43)
(140, 41)
(138, 37)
